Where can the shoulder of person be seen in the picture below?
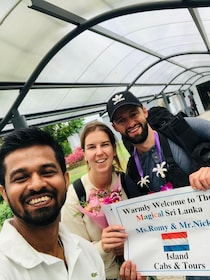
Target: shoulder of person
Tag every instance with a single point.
(199, 126)
(194, 121)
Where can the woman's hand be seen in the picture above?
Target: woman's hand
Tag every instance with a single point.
(128, 272)
(119, 251)
(113, 238)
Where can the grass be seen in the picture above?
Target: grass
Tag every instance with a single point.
(79, 171)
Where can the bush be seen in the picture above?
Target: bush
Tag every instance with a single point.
(5, 213)
(75, 159)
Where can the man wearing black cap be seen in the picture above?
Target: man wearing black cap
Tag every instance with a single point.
(148, 165)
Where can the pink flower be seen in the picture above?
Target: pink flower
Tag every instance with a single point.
(107, 200)
(94, 202)
(93, 192)
(92, 207)
(167, 186)
(76, 156)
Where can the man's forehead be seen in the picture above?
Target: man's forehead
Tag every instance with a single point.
(29, 152)
(124, 109)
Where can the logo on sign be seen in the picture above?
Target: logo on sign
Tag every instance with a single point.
(175, 241)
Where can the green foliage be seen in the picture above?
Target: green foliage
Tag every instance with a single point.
(1, 199)
(5, 213)
(66, 147)
(62, 131)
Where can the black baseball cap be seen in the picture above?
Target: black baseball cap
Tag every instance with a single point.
(121, 99)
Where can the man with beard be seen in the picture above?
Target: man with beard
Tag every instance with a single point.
(151, 165)
(33, 244)
(129, 118)
(148, 164)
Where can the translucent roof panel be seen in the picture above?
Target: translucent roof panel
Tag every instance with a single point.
(63, 59)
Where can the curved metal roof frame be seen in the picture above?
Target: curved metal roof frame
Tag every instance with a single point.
(93, 25)
(162, 59)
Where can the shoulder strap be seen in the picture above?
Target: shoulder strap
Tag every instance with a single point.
(122, 178)
(180, 132)
(130, 187)
(79, 189)
(166, 148)
(175, 174)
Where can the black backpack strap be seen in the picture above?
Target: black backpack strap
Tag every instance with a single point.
(129, 186)
(166, 149)
(122, 179)
(180, 132)
(80, 190)
(175, 174)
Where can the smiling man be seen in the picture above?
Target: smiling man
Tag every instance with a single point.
(34, 245)
(156, 162)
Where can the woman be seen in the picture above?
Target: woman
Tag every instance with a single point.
(99, 147)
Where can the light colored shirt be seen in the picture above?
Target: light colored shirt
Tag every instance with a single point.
(20, 261)
(87, 228)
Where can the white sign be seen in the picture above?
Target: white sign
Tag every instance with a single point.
(169, 231)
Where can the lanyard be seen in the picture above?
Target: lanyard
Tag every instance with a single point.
(136, 157)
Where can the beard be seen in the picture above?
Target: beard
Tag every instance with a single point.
(140, 138)
(42, 216)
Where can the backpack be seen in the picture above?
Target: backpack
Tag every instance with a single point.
(180, 132)
(176, 128)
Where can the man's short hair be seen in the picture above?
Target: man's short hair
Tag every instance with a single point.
(25, 138)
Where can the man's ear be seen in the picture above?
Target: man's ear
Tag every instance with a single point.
(115, 127)
(3, 193)
(67, 178)
(145, 112)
